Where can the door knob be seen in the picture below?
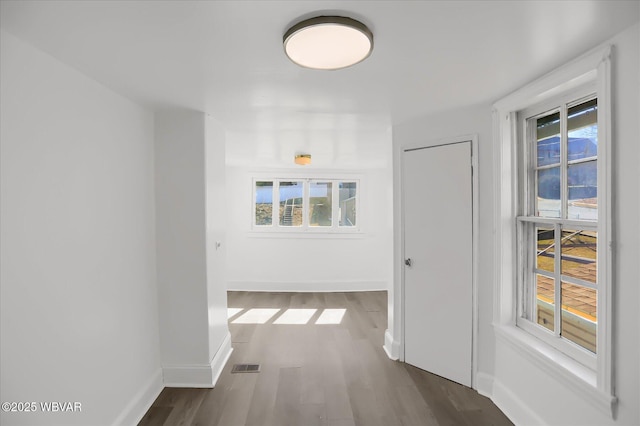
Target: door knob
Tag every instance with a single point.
(407, 261)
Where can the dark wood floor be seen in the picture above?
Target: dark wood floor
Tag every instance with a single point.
(329, 374)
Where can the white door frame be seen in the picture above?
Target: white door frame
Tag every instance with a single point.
(398, 315)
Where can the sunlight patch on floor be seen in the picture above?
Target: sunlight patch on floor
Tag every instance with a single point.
(292, 316)
(331, 316)
(295, 316)
(233, 311)
(256, 316)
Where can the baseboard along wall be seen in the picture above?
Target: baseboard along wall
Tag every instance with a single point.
(307, 286)
(140, 403)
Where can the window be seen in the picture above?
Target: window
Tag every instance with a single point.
(558, 222)
(290, 199)
(553, 247)
(314, 205)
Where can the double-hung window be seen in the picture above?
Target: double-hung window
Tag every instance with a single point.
(558, 224)
(553, 223)
(313, 205)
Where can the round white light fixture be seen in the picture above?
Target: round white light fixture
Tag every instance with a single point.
(328, 42)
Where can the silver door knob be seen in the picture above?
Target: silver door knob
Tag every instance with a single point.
(407, 261)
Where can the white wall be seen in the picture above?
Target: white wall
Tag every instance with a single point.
(267, 262)
(428, 130)
(181, 237)
(216, 218)
(78, 295)
(514, 373)
(189, 341)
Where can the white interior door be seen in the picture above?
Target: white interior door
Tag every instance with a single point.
(438, 236)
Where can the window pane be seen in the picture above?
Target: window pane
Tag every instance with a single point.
(545, 255)
(347, 201)
(579, 254)
(264, 202)
(583, 130)
(320, 203)
(579, 317)
(548, 200)
(290, 203)
(545, 304)
(548, 139)
(583, 190)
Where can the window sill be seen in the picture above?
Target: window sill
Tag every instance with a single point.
(580, 379)
(295, 233)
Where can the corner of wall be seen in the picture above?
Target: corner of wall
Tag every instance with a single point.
(484, 384)
(188, 376)
(391, 346)
(513, 407)
(142, 401)
(221, 357)
(198, 375)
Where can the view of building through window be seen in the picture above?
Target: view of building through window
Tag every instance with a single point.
(581, 148)
(320, 197)
(578, 317)
(347, 191)
(564, 184)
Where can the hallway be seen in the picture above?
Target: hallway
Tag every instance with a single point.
(330, 370)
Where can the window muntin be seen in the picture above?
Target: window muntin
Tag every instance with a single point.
(305, 204)
(559, 224)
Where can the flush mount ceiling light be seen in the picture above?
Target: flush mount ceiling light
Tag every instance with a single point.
(302, 159)
(328, 42)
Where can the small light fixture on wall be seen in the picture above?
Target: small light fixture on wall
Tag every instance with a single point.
(302, 159)
(328, 42)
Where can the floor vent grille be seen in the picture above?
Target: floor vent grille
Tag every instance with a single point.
(246, 368)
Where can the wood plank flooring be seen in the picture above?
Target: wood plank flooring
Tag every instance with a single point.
(320, 374)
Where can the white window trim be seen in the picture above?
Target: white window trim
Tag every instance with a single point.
(573, 350)
(595, 66)
(276, 230)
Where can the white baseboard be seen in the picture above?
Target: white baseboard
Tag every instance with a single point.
(188, 376)
(142, 401)
(484, 384)
(391, 347)
(513, 407)
(221, 357)
(308, 286)
(198, 375)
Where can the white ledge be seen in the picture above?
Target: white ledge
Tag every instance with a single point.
(297, 234)
(557, 365)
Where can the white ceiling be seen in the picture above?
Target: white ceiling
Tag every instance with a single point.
(226, 57)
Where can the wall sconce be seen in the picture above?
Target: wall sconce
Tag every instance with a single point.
(302, 159)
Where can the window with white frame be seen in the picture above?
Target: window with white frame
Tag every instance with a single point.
(553, 224)
(558, 222)
(328, 205)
